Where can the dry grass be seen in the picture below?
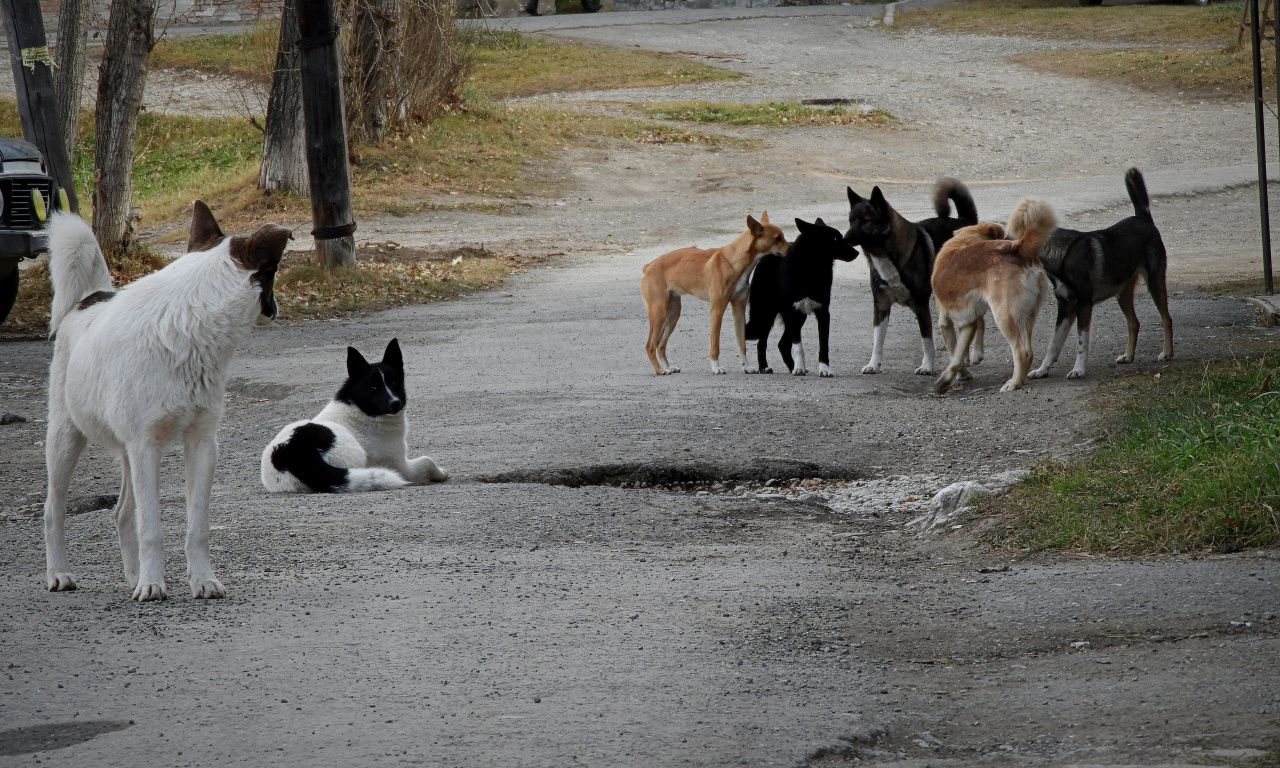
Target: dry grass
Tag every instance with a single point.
(387, 276)
(1217, 72)
(1067, 20)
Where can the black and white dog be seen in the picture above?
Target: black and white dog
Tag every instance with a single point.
(357, 443)
(795, 286)
(900, 258)
(1088, 268)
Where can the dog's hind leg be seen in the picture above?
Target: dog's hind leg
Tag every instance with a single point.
(824, 328)
(126, 528)
(785, 345)
(1160, 295)
(144, 474)
(201, 449)
(956, 365)
(656, 307)
(63, 446)
(978, 350)
(425, 468)
(925, 321)
(1084, 320)
(1062, 327)
(1125, 300)
(669, 321)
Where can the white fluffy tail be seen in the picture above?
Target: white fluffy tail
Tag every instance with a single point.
(76, 265)
(372, 479)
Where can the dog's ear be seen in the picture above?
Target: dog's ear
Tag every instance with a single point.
(392, 356)
(356, 364)
(266, 246)
(803, 225)
(819, 222)
(854, 197)
(755, 227)
(764, 217)
(205, 232)
(877, 198)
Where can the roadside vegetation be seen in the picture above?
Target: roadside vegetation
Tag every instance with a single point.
(1189, 463)
(774, 114)
(1175, 48)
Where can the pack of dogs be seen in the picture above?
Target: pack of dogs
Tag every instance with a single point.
(967, 267)
(182, 324)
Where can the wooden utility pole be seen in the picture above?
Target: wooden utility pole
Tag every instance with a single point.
(33, 78)
(326, 129)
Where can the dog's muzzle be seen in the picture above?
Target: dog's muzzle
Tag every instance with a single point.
(268, 312)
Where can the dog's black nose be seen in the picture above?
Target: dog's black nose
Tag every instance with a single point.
(269, 307)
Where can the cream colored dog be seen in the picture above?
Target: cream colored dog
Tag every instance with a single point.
(720, 276)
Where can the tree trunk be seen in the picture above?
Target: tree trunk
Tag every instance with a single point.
(375, 50)
(73, 26)
(121, 78)
(326, 129)
(284, 148)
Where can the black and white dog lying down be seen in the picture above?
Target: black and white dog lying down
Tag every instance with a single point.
(795, 286)
(357, 443)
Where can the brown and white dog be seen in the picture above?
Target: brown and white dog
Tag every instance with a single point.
(720, 276)
(978, 269)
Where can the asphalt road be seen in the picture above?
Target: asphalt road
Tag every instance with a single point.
(525, 622)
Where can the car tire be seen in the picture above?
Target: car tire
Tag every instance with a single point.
(8, 293)
(1090, 2)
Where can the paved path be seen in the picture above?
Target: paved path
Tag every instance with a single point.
(533, 624)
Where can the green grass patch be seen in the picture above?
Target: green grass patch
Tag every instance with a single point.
(774, 114)
(1068, 20)
(1190, 462)
(249, 55)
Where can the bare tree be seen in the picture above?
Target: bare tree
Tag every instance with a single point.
(68, 73)
(284, 149)
(374, 57)
(121, 79)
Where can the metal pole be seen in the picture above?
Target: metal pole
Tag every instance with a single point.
(1259, 131)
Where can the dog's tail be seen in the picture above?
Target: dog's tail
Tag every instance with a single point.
(949, 190)
(766, 283)
(372, 479)
(1030, 225)
(1137, 187)
(76, 265)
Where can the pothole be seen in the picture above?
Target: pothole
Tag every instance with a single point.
(691, 477)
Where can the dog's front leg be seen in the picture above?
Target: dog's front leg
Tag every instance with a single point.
(423, 468)
(63, 446)
(881, 320)
(717, 317)
(202, 458)
(824, 327)
(144, 472)
(740, 330)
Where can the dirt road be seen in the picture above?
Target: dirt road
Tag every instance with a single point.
(524, 623)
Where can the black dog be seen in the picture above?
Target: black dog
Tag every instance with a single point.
(900, 257)
(1090, 267)
(795, 286)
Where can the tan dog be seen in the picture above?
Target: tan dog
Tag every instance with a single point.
(977, 269)
(720, 276)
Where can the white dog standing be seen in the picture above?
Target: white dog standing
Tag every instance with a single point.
(138, 369)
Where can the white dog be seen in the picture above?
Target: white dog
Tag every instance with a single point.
(357, 443)
(138, 369)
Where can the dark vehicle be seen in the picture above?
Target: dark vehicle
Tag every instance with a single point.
(26, 196)
(1193, 2)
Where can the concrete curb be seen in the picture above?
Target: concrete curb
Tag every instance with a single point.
(906, 5)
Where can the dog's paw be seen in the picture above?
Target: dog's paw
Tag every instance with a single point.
(1038, 373)
(440, 475)
(207, 588)
(1010, 386)
(964, 375)
(765, 369)
(60, 581)
(717, 369)
(1124, 359)
(799, 371)
(1076, 373)
(1164, 356)
(924, 370)
(148, 591)
(824, 371)
(869, 368)
(975, 357)
(668, 371)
